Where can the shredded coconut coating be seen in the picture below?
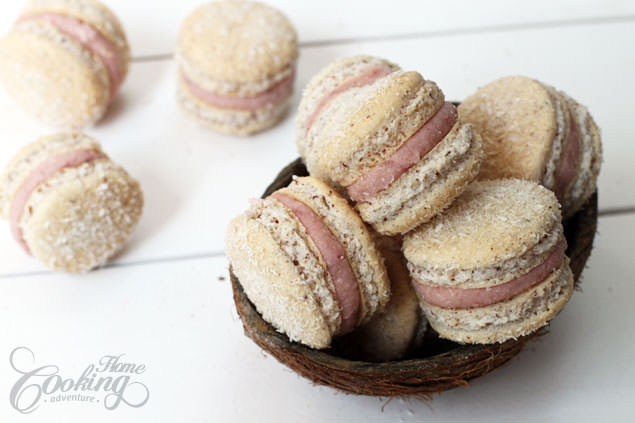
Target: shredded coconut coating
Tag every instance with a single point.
(557, 146)
(31, 156)
(78, 219)
(428, 187)
(354, 237)
(517, 120)
(237, 47)
(296, 243)
(325, 82)
(490, 223)
(92, 12)
(367, 125)
(238, 122)
(519, 316)
(52, 77)
(272, 283)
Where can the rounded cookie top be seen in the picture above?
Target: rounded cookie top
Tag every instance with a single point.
(367, 125)
(517, 119)
(490, 223)
(93, 13)
(237, 42)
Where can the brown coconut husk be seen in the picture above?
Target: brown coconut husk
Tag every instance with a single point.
(439, 366)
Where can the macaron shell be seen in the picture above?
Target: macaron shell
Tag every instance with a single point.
(427, 188)
(519, 316)
(348, 228)
(519, 139)
(325, 82)
(92, 12)
(235, 122)
(237, 43)
(27, 159)
(268, 278)
(82, 216)
(373, 122)
(53, 78)
(490, 223)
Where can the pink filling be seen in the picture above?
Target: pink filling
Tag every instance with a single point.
(275, 94)
(90, 38)
(569, 162)
(41, 174)
(366, 78)
(409, 154)
(450, 297)
(346, 289)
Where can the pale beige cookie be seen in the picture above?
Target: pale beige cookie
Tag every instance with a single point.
(237, 64)
(64, 60)
(285, 263)
(379, 136)
(492, 266)
(532, 131)
(344, 74)
(68, 204)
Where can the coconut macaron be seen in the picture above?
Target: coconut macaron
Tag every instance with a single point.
(308, 263)
(532, 131)
(67, 203)
(63, 61)
(237, 64)
(400, 328)
(492, 266)
(398, 148)
(342, 75)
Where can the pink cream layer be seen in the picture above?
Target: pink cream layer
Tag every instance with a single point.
(275, 94)
(41, 174)
(346, 289)
(410, 153)
(459, 298)
(570, 157)
(367, 77)
(91, 39)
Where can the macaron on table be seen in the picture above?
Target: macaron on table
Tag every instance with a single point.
(165, 299)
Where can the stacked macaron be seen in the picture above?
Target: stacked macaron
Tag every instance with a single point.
(237, 66)
(64, 60)
(532, 131)
(397, 147)
(493, 266)
(67, 203)
(325, 88)
(308, 263)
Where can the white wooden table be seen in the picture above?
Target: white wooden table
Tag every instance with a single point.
(166, 303)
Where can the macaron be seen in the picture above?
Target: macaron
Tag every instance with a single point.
(308, 263)
(492, 267)
(237, 63)
(348, 73)
(63, 61)
(399, 329)
(67, 203)
(397, 148)
(532, 131)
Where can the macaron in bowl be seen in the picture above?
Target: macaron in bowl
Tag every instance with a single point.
(308, 263)
(67, 203)
(237, 64)
(397, 148)
(63, 61)
(348, 73)
(492, 267)
(532, 131)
